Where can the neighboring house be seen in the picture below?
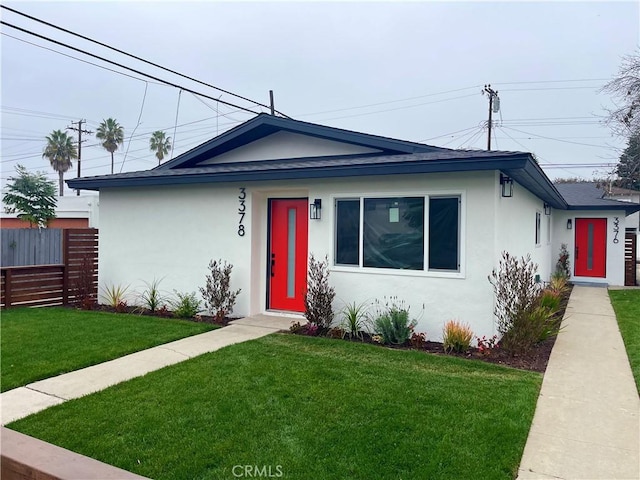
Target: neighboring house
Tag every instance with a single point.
(625, 195)
(71, 212)
(394, 218)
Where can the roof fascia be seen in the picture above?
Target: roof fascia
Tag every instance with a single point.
(310, 173)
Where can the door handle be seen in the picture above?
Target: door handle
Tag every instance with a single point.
(273, 264)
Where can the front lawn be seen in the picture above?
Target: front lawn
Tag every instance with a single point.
(305, 408)
(626, 304)
(39, 343)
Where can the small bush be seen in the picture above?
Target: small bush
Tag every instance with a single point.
(550, 300)
(187, 305)
(393, 324)
(151, 297)
(163, 311)
(295, 327)
(456, 337)
(536, 325)
(219, 299)
(83, 287)
(563, 266)
(487, 346)
(114, 295)
(354, 320)
(320, 295)
(337, 332)
(311, 329)
(122, 307)
(558, 284)
(417, 340)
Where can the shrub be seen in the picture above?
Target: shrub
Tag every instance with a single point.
(417, 340)
(163, 311)
(558, 284)
(114, 295)
(319, 296)
(186, 305)
(218, 297)
(563, 266)
(151, 297)
(516, 290)
(456, 337)
(354, 320)
(487, 346)
(336, 332)
(310, 329)
(84, 284)
(295, 327)
(393, 324)
(550, 300)
(520, 316)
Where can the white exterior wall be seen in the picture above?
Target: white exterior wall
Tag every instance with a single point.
(516, 228)
(615, 250)
(171, 233)
(281, 145)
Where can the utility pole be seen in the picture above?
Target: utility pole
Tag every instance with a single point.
(80, 132)
(493, 107)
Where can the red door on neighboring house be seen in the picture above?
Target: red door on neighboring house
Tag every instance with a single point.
(287, 262)
(591, 247)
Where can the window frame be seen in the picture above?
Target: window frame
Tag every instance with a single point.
(426, 271)
(538, 228)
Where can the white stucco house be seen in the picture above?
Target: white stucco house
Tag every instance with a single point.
(394, 218)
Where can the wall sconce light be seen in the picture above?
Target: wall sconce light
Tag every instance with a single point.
(507, 185)
(315, 209)
(547, 209)
(569, 224)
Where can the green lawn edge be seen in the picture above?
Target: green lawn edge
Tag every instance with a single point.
(626, 304)
(38, 343)
(318, 408)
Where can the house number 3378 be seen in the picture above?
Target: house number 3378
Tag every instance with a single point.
(242, 209)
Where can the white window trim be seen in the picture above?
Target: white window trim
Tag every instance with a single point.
(462, 241)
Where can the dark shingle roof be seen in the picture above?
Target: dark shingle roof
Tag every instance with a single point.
(587, 196)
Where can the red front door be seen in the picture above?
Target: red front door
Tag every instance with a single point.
(591, 247)
(287, 262)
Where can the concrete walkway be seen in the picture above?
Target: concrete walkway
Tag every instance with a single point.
(587, 419)
(37, 396)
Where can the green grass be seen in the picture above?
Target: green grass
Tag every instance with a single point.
(626, 304)
(317, 408)
(39, 343)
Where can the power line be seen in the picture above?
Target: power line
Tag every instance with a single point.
(401, 108)
(79, 59)
(120, 65)
(30, 17)
(557, 139)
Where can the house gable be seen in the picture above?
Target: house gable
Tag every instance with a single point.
(264, 126)
(283, 145)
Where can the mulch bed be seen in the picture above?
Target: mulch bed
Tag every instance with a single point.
(535, 360)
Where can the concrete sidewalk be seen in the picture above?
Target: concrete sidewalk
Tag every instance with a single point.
(587, 423)
(37, 396)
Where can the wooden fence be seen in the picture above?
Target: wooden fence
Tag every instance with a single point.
(75, 279)
(630, 259)
(30, 246)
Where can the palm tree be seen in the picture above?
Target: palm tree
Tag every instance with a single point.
(112, 135)
(60, 150)
(160, 144)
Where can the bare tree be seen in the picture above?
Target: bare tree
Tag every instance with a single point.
(624, 118)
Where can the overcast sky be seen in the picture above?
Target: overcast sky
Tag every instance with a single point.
(412, 71)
